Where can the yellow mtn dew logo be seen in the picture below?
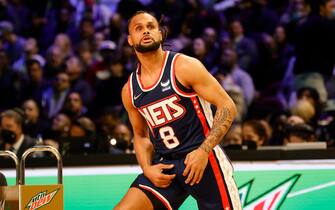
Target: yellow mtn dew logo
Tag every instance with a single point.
(40, 200)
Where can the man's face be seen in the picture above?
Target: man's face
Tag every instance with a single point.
(122, 132)
(73, 68)
(31, 110)
(236, 29)
(330, 9)
(36, 72)
(75, 102)
(62, 81)
(61, 123)
(9, 123)
(144, 34)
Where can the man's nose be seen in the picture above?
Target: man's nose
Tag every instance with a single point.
(146, 32)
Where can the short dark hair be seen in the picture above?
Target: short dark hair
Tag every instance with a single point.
(31, 62)
(258, 128)
(138, 13)
(161, 26)
(301, 130)
(17, 114)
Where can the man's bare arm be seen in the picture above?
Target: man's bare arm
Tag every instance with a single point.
(191, 73)
(222, 122)
(194, 74)
(142, 145)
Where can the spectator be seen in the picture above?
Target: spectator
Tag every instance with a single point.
(108, 92)
(279, 124)
(13, 44)
(30, 52)
(299, 133)
(200, 51)
(233, 139)
(246, 48)
(36, 84)
(128, 58)
(74, 69)
(64, 43)
(210, 37)
(54, 62)
(18, 14)
(12, 133)
(85, 32)
(228, 67)
(269, 66)
(99, 37)
(86, 56)
(59, 129)
(107, 123)
(34, 126)
(254, 134)
(100, 70)
(122, 140)
(74, 106)
(312, 96)
(65, 18)
(284, 48)
(305, 110)
(82, 137)
(54, 97)
(183, 40)
(99, 12)
(315, 49)
(116, 30)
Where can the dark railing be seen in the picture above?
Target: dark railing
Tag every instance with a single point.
(130, 159)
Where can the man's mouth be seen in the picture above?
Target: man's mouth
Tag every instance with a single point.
(147, 39)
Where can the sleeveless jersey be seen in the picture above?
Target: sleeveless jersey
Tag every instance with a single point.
(179, 120)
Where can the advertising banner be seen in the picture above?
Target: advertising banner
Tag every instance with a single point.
(287, 185)
(46, 197)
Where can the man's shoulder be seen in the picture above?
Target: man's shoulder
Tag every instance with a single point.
(183, 60)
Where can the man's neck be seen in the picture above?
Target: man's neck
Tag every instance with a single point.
(151, 61)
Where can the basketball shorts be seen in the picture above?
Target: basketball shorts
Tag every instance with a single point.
(216, 191)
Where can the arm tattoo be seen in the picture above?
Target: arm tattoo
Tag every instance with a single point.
(222, 121)
(205, 147)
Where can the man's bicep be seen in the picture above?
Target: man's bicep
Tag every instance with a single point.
(202, 82)
(138, 123)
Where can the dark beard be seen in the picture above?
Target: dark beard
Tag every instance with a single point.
(148, 48)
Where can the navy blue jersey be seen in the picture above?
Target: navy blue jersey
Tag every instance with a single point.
(178, 119)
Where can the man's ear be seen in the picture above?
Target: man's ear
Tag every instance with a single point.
(130, 42)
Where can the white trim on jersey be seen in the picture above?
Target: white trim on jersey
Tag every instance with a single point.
(157, 194)
(173, 79)
(227, 170)
(159, 79)
(206, 106)
(131, 89)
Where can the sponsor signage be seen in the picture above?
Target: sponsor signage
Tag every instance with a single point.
(284, 185)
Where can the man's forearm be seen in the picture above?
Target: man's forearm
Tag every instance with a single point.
(222, 121)
(143, 151)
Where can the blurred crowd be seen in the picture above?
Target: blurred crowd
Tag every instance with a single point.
(63, 64)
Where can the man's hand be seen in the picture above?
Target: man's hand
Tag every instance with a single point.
(155, 174)
(196, 162)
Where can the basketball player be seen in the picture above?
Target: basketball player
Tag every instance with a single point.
(175, 136)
